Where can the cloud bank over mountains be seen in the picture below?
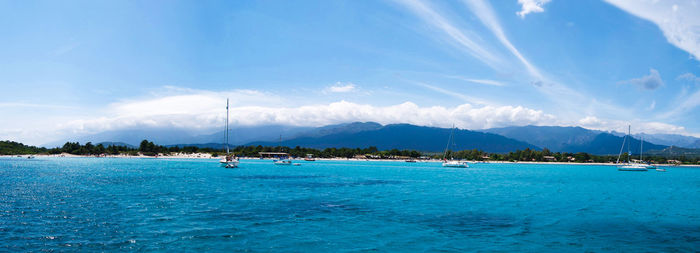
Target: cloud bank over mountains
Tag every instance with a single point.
(204, 111)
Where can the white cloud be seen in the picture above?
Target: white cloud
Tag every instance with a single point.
(341, 87)
(208, 112)
(649, 82)
(531, 6)
(638, 126)
(678, 20)
(205, 110)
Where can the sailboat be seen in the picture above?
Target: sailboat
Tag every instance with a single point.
(284, 160)
(628, 165)
(228, 161)
(452, 163)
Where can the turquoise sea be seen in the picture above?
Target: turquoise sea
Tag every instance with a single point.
(117, 204)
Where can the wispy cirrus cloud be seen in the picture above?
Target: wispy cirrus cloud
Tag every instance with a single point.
(684, 105)
(651, 81)
(486, 15)
(32, 105)
(567, 99)
(465, 98)
(428, 14)
(690, 77)
(341, 87)
(678, 20)
(479, 81)
(531, 6)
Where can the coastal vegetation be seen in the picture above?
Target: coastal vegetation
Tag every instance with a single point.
(16, 148)
(148, 148)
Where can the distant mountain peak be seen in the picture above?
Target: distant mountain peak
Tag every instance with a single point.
(569, 139)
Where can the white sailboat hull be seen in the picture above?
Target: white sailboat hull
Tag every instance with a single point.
(283, 162)
(455, 164)
(229, 164)
(632, 167)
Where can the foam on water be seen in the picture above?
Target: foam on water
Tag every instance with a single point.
(95, 204)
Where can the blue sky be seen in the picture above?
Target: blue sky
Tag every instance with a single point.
(79, 67)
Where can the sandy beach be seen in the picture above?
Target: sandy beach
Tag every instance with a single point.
(209, 156)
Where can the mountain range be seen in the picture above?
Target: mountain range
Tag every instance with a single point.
(179, 137)
(400, 136)
(404, 136)
(573, 139)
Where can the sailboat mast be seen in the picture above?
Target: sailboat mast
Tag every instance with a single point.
(629, 152)
(449, 140)
(621, 148)
(227, 150)
(641, 148)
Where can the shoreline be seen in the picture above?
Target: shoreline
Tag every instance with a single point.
(209, 157)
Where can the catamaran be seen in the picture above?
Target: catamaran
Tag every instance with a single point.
(452, 163)
(628, 166)
(229, 161)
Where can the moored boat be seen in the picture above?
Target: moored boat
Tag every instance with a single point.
(283, 162)
(455, 164)
(628, 165)
(452, 163)
(309, 158)
(229, 161)
(632, 167)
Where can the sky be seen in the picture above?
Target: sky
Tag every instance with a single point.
(70, 68)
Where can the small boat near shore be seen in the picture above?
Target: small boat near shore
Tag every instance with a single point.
(283, 162)
(309, 158)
